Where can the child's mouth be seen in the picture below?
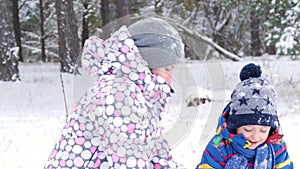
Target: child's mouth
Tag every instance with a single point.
(253, 142)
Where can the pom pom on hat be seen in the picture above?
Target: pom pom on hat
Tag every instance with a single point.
(253, 101)
(250, 70)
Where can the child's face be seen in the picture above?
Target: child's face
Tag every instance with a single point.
(256, 134)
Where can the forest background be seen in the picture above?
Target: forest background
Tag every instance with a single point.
(41, 40)
(55, 30)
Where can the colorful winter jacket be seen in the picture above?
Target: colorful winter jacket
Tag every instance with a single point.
(229, 151)
(115, 124)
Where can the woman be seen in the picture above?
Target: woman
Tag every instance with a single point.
(115, 123)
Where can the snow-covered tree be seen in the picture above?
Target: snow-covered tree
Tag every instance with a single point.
(244, 27)
(32, 35)
(92, 16)
(273, 27)
(8, 50)
(284, 26)
(222, 21)
(158, 5)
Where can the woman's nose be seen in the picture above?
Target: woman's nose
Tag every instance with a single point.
(170, 68)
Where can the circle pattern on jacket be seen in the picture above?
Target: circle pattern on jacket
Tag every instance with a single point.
(115, 124)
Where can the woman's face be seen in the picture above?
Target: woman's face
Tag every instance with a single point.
(165, 72)
(256, 134)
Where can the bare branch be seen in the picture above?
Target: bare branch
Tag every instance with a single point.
(22, 4)
(210, 42)
(224, 22)
(170, 9)
(192, 15)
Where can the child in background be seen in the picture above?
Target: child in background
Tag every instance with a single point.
(248, 135)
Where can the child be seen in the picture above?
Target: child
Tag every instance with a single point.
(115, 123)
(248, 130)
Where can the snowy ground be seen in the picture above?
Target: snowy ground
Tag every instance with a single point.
(32, 111)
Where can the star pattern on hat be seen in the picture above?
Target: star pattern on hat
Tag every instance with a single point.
(233, 93)
(261, 81)
(247, 83)
(243, 100)
(268, 101)
(255, 91)
(253, 100)
(233, 111)
(257, 110)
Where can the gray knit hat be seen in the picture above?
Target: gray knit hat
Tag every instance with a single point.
(253, 101)
(158, 42)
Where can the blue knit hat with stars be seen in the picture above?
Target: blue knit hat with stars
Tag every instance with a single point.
(253, 101)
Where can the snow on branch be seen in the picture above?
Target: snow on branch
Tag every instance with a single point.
(224, 22)
(31, 34)
(191, 16)
(210, 42)
(38, 50)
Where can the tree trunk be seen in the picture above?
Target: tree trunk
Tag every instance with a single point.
(255, 38)
(270, 49)
(104, 12)
(17, 30)
(43, 53)
(134, 6)
(69, 46)
(122, 8)
(62, 46)
(123, 11)
(8, 50)
(85, 23)
(73, 38)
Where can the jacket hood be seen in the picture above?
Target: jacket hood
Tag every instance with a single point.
(118, 56)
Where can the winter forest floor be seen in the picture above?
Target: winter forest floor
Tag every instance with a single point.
(32, 111)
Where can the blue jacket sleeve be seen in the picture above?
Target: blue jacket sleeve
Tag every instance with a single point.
(213, 156)
(282, 159)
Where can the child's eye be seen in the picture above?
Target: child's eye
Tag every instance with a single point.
(263, 131)
(247, 130)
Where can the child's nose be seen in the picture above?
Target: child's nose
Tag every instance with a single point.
(254, 136)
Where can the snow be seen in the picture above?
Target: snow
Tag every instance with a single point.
(33, 110)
